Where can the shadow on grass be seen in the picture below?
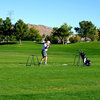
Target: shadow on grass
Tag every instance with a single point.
(5, 43)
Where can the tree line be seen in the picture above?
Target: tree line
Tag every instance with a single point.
(86, 30)
(20, 31)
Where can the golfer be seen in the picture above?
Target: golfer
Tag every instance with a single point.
(44, 52)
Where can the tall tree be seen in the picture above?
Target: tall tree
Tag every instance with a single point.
(43, 36)
(1, 27)
(7, 28)
(96, 35)
(62, 32)
(86, 29)
(99, 33)
(34, 35)
(20, 29)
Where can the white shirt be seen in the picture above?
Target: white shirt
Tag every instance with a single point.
(45, 47)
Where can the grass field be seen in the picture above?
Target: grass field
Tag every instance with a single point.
(52, 82)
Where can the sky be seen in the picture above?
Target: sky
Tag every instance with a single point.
(52, 13)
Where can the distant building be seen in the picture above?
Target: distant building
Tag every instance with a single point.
(69, 38)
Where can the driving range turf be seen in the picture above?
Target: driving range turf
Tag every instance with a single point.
(52, 82)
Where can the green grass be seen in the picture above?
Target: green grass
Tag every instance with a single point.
(52, 82)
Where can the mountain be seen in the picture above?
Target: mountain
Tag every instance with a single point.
(42, 29)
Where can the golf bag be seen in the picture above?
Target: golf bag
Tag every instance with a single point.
(85, 60)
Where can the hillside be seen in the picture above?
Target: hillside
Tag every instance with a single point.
(42, 29)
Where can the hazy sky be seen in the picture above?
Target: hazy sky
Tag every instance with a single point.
(52, 13)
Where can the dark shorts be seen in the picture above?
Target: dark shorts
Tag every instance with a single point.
(44, 53)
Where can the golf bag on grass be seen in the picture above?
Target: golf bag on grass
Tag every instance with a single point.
(84, 59)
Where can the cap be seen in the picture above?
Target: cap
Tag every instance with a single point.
(48, 41)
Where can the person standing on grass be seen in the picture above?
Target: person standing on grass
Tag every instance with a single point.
(44, 52)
